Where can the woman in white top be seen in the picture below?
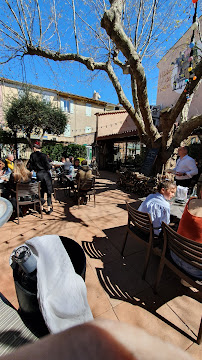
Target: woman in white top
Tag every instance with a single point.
(157, 205)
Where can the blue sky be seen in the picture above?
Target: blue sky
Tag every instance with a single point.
(75, 78)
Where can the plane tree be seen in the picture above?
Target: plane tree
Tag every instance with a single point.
(116, 37)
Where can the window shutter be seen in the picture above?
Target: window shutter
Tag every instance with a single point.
(67, 131)
(88, 109)
(71, 107)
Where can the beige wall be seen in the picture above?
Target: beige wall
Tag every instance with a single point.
(114, 123)
(169, 71)
(81, 127)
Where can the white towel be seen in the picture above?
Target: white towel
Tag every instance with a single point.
(181, 193)
(61, 293)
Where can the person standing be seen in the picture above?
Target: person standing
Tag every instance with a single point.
(185, 167)
(40, 164)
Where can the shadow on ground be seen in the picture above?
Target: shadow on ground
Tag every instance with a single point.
(121, 278)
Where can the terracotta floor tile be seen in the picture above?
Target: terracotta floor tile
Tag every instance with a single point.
(192, 317)
(114, 284)
(120, 282)
(195, 351)
(108, 315)
(97, 298)
(135, 315)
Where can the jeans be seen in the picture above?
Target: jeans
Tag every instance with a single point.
(190, 269)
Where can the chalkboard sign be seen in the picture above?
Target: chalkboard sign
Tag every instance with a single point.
(149, 161)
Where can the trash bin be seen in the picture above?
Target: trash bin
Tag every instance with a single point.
(26, 284)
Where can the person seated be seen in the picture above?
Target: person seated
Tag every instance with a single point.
(3, 168)
(9, 162)
(157, 205)
(77, 165)
(82, 177)
(190, 226)
(20, 174)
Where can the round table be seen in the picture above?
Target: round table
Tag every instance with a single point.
(6, 210)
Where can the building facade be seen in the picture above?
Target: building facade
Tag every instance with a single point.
(174, 71)
(80, 110)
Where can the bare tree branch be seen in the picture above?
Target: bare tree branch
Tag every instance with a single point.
(137, 24)
(40, 23)
(56, 24)
(25, 21)
(75, 35)
(151, 28)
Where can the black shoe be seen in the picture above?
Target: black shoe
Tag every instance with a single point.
(49, 212)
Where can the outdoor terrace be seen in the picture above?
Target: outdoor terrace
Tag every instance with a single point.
(114, 285)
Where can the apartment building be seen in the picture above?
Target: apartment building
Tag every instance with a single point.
(80, 110)
(174, 71)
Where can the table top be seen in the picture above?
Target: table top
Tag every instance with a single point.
(6, 210)
(177, 209)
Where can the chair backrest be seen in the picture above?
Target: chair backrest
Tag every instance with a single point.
(188, 250)
(140, 219)
(86, 184)
(28, 189)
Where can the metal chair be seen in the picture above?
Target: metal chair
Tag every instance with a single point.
(140, 227)
(188, 250)
(30, 193)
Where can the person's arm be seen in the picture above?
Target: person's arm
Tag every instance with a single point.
(193, 170)
(30, 164)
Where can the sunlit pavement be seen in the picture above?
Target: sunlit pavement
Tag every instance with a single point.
(114, 285)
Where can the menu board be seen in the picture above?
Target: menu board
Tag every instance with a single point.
(149, 161)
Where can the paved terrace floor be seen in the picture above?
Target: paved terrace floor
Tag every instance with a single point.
(115, 288)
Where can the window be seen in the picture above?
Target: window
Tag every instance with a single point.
(67, 131)
(67, 105)
(88, 129)
(20, 93)
(88, 109)
(46, 98)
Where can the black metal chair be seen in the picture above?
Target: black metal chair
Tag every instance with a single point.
(140, 227)
(188, 250)
(28, 194)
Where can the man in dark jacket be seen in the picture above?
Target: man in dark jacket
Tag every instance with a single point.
(40, 164)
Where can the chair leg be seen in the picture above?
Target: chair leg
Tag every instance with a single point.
(159, 274)
(41, 210)
(18, 212)
(124, 244)
(199, 337)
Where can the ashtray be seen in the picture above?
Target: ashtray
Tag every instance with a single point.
(180, 201)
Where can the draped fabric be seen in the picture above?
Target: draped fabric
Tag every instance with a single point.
(190, 226)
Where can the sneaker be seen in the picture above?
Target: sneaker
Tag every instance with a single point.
(49, 212)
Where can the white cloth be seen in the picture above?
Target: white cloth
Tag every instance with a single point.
(186, 165)
(181, 193)
(61, 293)
(158, 208)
